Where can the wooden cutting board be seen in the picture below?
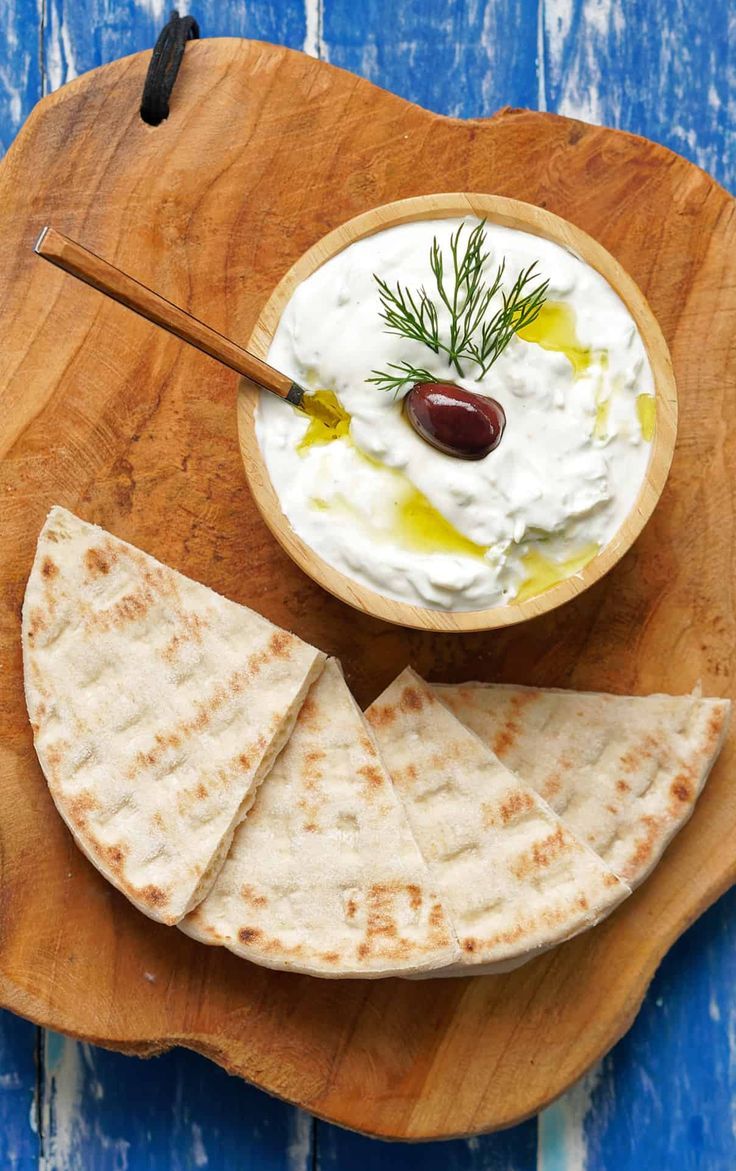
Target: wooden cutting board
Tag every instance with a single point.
(266, 150)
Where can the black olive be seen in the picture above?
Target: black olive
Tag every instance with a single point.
(454, 420)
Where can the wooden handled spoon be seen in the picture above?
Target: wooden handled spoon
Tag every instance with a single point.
(106, 278)
(455, 421)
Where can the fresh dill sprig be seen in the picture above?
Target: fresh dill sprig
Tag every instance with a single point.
(466, 294)
(404, 375)
(409, 314)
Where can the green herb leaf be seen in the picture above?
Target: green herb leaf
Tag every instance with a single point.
(462, 288)
(404, 375)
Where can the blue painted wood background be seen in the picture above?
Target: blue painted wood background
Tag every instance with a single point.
(666, 1097)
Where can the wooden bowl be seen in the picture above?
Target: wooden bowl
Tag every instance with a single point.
(513, 214)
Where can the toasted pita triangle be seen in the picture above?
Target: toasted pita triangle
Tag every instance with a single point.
(157, 707)
(324, 876)
(513, 878)
(623, 772)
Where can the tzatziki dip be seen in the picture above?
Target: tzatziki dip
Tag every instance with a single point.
(410, 522)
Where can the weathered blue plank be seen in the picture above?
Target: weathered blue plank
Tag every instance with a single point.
(465, 59)
(662, 69)
(18, 1115)
(101, 1111)
(82, 34)
(511, 1150)
(20, 66)
(666, 1096)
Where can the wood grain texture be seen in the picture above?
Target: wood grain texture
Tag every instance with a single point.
(98, 273)
(110, 418)
(508, 213)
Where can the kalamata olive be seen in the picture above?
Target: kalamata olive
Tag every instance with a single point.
(454, 420)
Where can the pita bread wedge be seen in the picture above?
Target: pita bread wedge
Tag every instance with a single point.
(513, 878)
(157, 706)
(623, 772)
(324, 876)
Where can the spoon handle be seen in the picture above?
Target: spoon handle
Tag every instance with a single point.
(94, 271)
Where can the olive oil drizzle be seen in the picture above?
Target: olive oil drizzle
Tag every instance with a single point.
(554, 330)
(543, 573)
(646, 413)
(328, 419)
(414, 522)
(419, 526)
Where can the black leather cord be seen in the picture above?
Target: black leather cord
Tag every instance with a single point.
(164, 66)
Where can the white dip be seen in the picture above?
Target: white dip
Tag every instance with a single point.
(556, 489)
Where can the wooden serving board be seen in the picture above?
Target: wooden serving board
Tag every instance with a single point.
(265, 151)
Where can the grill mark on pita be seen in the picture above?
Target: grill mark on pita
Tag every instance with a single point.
(374, 778)
(151, 896)
(647, 750)
(80, 806)
(96, 586)
(38, 681)
(552, 786)
(382, 936)
(381, 901)
(98, 562)
(549, 919)
(115, 857)
(504, 739)
(644, 846)
(706, 740)
(380, 715)
(507, 735)
(436, 917)
(250, 895)
(512, 809)
(55, 756)
(317, 920)
(312, 774)
(281, 644)
(132, 607)
(411, 700)
(36, 624)
(682, 788)
(191, 628)
(415, 896)
(542, 854)
(194, 725)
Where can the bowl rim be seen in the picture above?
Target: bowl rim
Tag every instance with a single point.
(509, 213)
